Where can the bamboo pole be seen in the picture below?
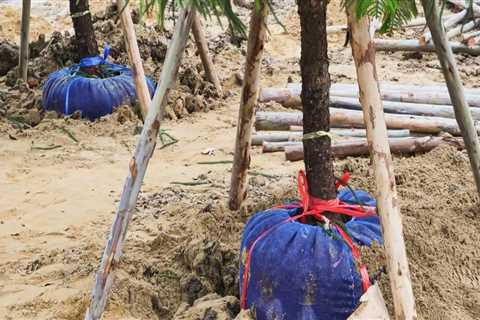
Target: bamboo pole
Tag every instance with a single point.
(416, 46)
(455, 88)
(363, 51)
(251, 86)
(341, 118)
(202, 47)
(24, 35)
(358, 148)
(138, 166)
(143, 94)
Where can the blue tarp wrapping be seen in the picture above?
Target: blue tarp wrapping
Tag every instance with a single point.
(298, 271)
(67, 90)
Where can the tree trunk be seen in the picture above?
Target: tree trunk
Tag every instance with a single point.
(315, 97)
(23, 56)
(356, 148)
(138, 166)
(363, 51)
(251, 87)
(82, 24)
(143, 94)
(455, 87)
(202, 47)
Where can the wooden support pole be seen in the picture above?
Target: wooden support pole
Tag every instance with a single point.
(143, 94)
(138, 166)
(416, 46)
(357, 148)
(251, 87)
(363, 51)
(455, 87)
(24, 36)
(202, 47)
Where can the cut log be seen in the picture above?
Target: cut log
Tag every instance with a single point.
(415, 46)
(268, 147)
(251, 87)
(202, 47)
(455, 87)
(472, 40)
(260, 137)
(363, 52)
(357, 148)
(143, 94)
(283, 120)
(448, 23)
(281, 136)
(138, 166)
(466, 5)
(24, 35)
(290, 96)
(461, 28)
(442, 111)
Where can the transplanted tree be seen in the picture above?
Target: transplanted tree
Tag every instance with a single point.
(85, 40)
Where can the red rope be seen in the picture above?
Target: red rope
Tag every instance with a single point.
(316, 208)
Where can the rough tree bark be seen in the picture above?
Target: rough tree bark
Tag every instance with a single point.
(455, 87)
(315, 97)
(82, 24)
(138, 166)
(251, 87)
(363, 51)
(202, 47)
(143, 94)
(23, 57)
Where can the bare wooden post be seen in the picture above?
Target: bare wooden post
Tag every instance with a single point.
(138, 166)
(251, 87)
(455, 87)
(202, 47)
(143, 94)
(23, 57)
(363, 50)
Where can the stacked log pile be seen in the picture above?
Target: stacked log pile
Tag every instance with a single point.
(417, 118)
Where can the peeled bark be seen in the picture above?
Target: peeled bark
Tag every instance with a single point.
(315, 97)
(357, 148)
(354, 119)
(82, 24)
(251, 87)
(363, 51)
(138, 166)
(143, 94)
(23, 56)
(455, 87)
(202, 47)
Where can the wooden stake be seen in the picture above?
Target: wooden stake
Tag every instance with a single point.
(363, 51)
(143, 94)
(455, 87)
(23, 57)
(138, 166)
(202, 47)
(251, 84)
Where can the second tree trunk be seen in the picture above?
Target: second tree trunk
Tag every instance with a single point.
(315, 97)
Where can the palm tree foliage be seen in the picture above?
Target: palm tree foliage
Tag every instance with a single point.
(392, 13)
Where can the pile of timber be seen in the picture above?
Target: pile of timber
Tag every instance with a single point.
(414, 115)
(463, 31)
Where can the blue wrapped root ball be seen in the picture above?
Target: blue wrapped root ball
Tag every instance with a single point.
(303, 271)
(94, 87)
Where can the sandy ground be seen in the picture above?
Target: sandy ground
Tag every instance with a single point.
(58, 204)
